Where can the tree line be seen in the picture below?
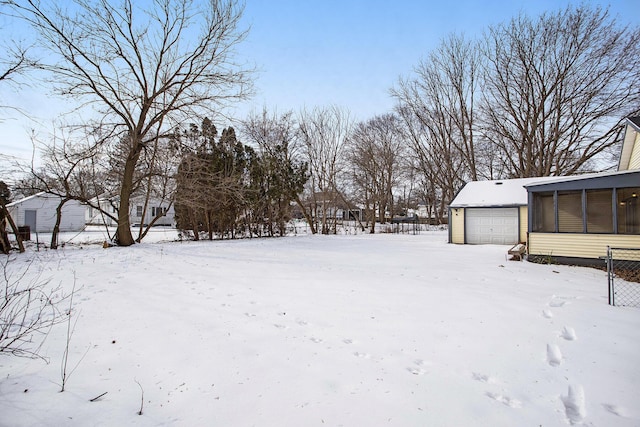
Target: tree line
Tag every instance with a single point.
(534, 96)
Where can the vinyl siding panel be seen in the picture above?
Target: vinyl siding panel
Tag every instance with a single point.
(524, 223)
(457, 225)
(579, 245)
(634, 162)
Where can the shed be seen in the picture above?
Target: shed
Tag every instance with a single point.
(38, 212)
(490, 212)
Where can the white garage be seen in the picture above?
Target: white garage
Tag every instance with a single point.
(496, 226)
(490, 212)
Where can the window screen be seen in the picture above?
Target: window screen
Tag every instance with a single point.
(599, 211)
(570, 212)
(628, 210)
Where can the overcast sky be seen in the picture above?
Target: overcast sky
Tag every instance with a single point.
(319, 52)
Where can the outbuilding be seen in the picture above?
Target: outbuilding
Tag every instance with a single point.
(490, 212)
(38, 212)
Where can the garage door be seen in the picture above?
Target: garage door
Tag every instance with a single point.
(498, 226)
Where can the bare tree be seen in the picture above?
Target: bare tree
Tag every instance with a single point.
(557, 87)
(67, 172)
(438, 108)
(29, 308)
(141, 67)
(441, 96)
(376, 151)
(323, 132)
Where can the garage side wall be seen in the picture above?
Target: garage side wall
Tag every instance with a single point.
(524, 223)
(456, 222)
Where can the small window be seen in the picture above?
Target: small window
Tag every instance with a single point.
(570, 212)
(599, 211)
(628, 210)
(139, 211)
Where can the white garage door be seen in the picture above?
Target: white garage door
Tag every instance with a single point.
(498, 226)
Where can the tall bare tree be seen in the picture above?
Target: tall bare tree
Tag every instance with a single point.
(556, 88)
(441, 96)
(141, 65)
(376, 151)
(323, 132)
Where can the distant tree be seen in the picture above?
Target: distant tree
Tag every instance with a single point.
(376, 151)
(323, 132)
(143, 66)
(279, 174)
(212, 181)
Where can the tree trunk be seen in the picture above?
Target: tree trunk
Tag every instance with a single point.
(123, 234)
(56, 227)
(306, 215)
(12, 224)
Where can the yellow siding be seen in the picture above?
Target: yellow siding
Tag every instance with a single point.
(524, 221)
(456, 222)
(579, 245)
(634, 162)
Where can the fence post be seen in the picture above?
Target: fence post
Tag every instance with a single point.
(609, 272)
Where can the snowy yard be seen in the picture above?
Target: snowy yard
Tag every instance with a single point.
(383, 330)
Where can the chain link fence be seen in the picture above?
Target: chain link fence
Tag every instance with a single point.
(623, 271)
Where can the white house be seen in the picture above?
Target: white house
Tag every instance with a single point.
(39, 213)
(137, 215)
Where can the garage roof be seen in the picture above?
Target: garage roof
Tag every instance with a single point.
(497, 193)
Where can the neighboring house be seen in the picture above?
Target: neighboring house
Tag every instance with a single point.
(136, 211)
(38, 212)
(574, 219)
(490, 212)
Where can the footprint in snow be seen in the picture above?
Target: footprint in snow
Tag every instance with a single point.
(316, 340)
(547, 314)
(347, 341)
(416, 371)
(554, 356)
(506, 400)
(568, 334)
(615, 410)
(362, 355)
(482, 378)
(250, 315)
(279, 326)
(574, 404)
(557, 303)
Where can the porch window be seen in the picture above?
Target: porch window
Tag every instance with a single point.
(599, 211)
(544, 213)
(139, 211)
(628, 210)
(570, 212)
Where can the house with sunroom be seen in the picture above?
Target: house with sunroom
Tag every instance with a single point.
(561, 219)
(573, 219)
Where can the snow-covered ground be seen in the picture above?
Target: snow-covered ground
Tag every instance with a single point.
(382, 330)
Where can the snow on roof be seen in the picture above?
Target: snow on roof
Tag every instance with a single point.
(502, 192)
(24, 199)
